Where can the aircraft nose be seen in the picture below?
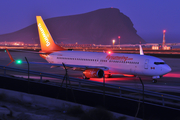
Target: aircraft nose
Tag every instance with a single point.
(167, 69)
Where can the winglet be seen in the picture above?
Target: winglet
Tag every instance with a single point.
(141, 50)
(12, 60)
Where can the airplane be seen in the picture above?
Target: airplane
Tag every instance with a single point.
(98, 64)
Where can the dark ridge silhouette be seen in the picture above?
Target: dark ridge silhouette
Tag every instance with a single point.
(96, 27)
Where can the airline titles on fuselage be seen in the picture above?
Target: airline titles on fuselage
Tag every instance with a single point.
(109, 57)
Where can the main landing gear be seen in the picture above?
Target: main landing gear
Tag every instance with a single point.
(84, 77)
(154, 81)
(106, 76)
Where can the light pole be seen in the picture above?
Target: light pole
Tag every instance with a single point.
(119, 40)
(164, 41)
(113, 41)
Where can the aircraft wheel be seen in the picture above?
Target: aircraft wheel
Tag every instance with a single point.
(108, 76)
(154, 81)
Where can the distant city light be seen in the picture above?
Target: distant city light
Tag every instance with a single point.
(164, 31)
(166, 48)
(155, 48)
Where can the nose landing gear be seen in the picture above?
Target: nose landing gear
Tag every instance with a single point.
(154, 78)
(154, 81)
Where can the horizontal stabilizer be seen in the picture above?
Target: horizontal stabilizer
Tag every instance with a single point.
(141, 50)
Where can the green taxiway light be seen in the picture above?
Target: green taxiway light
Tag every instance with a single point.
(18, 61)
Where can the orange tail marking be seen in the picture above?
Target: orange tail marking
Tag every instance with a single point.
(47, 42)
(12, 60)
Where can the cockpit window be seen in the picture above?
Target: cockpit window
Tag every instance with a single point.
(159, 63)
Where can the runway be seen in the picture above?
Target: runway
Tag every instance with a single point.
(170, 83)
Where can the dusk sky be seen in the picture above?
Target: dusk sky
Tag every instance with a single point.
(150, 17)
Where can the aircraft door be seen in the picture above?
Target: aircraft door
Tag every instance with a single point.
(133, 71)
(100, 61)
(146, 64)
(49, 59)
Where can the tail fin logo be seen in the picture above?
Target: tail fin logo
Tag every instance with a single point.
(47, 43)
(44, 35)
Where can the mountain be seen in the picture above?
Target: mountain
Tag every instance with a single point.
(96, 27)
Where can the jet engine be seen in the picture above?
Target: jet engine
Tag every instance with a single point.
(93, 73)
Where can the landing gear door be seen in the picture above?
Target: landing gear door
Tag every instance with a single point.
(146, 64)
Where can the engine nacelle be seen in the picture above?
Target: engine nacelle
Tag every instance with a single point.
(93, 73)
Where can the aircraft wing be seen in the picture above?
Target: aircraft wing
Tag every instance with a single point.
(69, 65)
(25, 51)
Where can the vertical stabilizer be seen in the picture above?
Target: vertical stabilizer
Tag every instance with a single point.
(141, 50)
(46, 41)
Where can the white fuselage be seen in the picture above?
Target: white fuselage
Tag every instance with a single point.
(117, 63)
